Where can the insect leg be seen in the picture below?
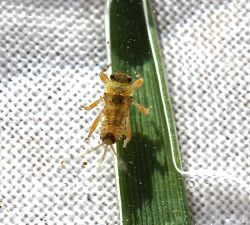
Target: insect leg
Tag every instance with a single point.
(103, 75)
(141, 108)
(93, 104)
(94, 125)
(138, 83)
(128, 131)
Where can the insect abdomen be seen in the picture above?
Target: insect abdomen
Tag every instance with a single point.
(111, 134)
(115, 112)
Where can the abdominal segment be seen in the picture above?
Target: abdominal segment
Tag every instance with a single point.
(113, 124)
(115, 112)
(111, 134)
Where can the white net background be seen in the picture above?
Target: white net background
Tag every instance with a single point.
(50, 55)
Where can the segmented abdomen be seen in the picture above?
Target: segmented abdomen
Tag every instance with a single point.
(115, 111)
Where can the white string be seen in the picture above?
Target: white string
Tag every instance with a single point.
(102, 159)
(91, 149)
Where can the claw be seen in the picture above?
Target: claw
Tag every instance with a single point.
(83, 107)
(107, 67)
(87, 139)
(125, 143)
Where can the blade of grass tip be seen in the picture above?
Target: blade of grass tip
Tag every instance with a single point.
(151, 189)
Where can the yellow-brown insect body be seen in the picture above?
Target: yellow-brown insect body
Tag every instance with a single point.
(117, 99)
(115, 119)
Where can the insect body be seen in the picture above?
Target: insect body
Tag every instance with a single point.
(114, 117)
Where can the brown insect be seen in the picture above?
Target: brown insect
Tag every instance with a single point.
(114, 117)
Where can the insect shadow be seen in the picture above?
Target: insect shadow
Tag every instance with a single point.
(142, 159)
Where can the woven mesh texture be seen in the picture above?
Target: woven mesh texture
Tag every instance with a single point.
(51, 52)
(50, 55)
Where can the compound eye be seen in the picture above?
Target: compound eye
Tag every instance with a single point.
(112, 76)
(129, 79)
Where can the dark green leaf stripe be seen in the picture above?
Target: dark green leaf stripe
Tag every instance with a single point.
(151, 190)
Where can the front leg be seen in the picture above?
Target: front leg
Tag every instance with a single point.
(138, 83)
(103, 76)
(92, 105)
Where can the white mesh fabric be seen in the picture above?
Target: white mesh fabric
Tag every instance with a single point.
(50, 55)
(51, 52)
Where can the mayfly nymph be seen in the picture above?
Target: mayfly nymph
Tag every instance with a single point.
(115, 117)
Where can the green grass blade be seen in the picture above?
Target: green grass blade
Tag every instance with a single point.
(151, 190)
